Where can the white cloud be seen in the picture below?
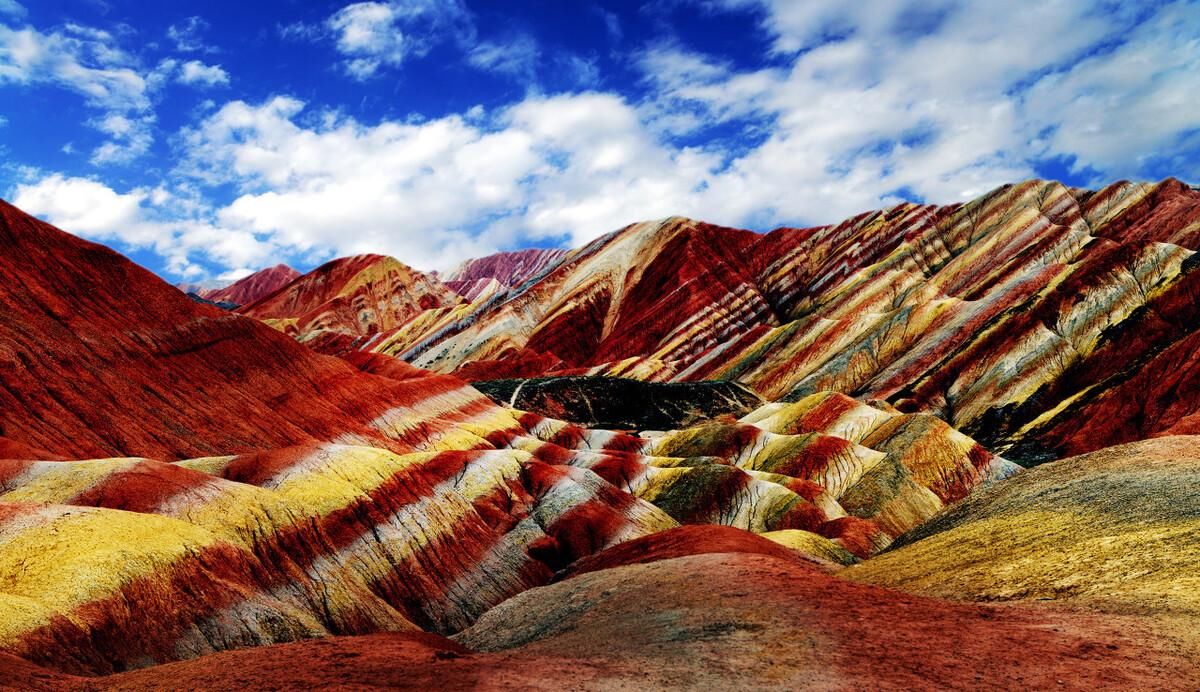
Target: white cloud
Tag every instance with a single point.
(1117, 110)
(91, 63)
(12, 8)
(76, 58)
(188, 35)
(88, 62)
(517, 57)
(436, 192)
(941, 100)
(373, 35)
(164, 221)
(924, 97)
(196, 72)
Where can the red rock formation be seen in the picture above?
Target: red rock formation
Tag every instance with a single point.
(98, 357)
(1013, 313)
(248, 289)
(360, 295)
(1007, 316)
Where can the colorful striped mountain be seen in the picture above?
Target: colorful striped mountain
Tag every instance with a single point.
(191, 497)
(1044, 320)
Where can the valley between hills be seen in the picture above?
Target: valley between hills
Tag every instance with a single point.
(926, 447)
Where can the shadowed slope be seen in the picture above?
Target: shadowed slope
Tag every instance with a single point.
(621, 403)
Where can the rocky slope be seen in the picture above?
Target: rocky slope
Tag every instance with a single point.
(89, 370)
(237, 489)
(248, 289)
(163, 461)
(327, 539)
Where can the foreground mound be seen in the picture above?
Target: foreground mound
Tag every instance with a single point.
(324, 539)
(1116, 530)
(713, 621)
(703, 540)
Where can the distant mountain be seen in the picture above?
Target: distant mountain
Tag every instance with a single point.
(250, 288)
(509, 268)
(197, 288)
(351, 297)
(1045, 320)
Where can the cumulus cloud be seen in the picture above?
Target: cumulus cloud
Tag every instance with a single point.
(373, 35)
(943, 100)
(1116, 111)
(436, 192)
(197, 73)
(81, 59)
(166, 222)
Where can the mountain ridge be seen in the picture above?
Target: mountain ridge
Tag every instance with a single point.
(919, 305)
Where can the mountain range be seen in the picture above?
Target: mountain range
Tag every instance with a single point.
(926, 446)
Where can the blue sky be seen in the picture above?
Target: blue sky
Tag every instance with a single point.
(210, 139)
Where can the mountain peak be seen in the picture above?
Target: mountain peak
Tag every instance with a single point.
(355, 296)
(250, 288)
